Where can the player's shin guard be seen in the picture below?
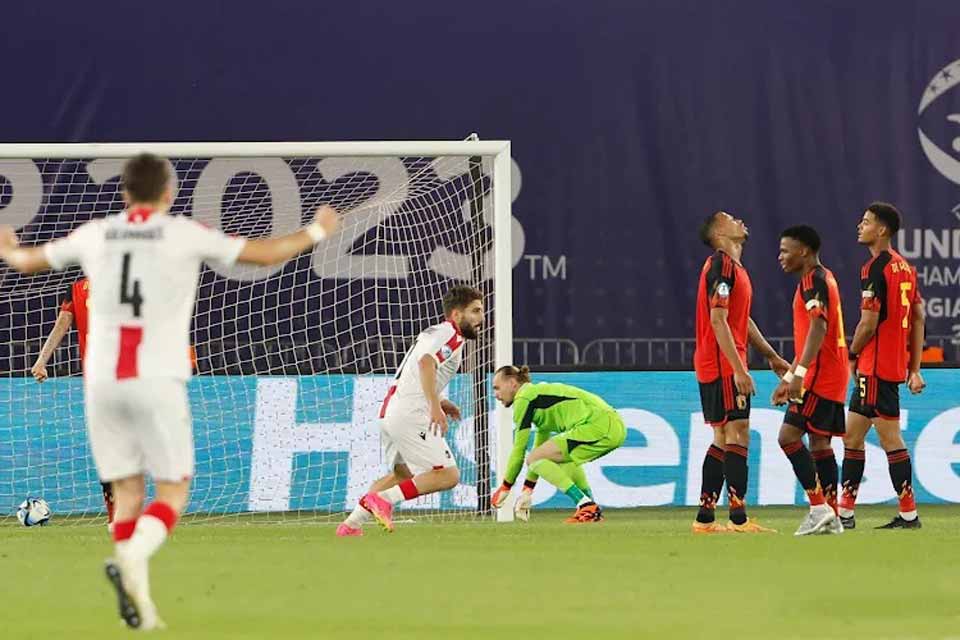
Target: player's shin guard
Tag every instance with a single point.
(711, 484)
(153, 527)
(901, 475)
(851, 476)
(827, 472)
(802, 462)
(735, 470)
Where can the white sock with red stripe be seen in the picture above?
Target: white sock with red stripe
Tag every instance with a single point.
(122, 532)
(152, 529)
(406, 490)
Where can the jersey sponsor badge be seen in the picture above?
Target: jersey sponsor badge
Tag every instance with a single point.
(445, 351)
(723, 290)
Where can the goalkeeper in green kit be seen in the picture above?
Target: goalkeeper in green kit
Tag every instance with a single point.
(572, 427)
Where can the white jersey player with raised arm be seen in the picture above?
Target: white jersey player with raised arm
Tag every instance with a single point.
(143, 268)
(405, 413)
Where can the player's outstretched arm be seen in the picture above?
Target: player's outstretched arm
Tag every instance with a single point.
(60, 329)
(23, 259)
(777, 363)
(268, 251)
(521, 437)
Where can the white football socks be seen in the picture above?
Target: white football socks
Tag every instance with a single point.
(148, 536)
(393, 495)
(357, 517)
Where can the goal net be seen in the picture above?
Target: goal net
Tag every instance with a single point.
(292, 361)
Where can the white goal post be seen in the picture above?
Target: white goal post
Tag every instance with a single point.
(291, 361)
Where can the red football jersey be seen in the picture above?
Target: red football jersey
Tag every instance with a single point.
(888, 286)
(723, 283)
(75, 302)
(818, 296)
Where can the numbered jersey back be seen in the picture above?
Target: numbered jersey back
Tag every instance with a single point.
(143, 268)
(888, 286)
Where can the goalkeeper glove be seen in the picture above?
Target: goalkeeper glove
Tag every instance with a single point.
(500, 495)
(521, 509)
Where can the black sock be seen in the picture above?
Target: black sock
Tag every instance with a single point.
(851, 476)
(901, 475)
(827, 472)
(799, 456)
(735, 470)
(711, 484)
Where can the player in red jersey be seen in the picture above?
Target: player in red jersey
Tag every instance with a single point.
(73, 311)
(891, 325)
(816, 385)
(723, 329)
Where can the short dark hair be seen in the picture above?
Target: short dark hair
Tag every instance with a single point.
(887, 214)
(145, 177)
(459, 297)
(706, 229)
(521, 374)
(803, 234)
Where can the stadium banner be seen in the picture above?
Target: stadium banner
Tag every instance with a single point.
(629, 122)
(311, 443)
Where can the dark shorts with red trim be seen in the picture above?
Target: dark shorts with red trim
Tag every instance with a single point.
(875, 398)
(817, 415)
(721, 403)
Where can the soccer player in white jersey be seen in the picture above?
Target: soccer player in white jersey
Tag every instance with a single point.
(143, 266)
(413, 417)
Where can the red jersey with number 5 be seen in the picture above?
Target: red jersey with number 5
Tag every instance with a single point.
(724, 284)
(143, 267)
(888, 286)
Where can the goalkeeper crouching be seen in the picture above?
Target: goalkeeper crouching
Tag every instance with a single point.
(573, 427)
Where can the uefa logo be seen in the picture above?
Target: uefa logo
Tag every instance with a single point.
(939, 119)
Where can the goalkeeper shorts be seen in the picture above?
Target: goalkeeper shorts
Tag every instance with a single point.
(597, 437)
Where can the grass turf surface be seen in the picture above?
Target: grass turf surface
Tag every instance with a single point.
(639, 574)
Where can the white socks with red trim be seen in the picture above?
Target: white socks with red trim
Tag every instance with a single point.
(406, 490)
(151, 531)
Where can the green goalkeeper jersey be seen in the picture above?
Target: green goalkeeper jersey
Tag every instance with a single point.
(549, 408)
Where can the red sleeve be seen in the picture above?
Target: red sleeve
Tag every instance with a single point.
(67, 303)
(721, 277)
(816, 298)
(873, 284)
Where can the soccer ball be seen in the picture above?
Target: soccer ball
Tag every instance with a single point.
(34, 511)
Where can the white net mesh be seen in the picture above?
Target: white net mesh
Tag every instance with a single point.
(292, 361)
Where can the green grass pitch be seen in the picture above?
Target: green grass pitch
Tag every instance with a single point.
(639, 574)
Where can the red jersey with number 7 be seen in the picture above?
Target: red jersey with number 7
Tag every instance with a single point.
(724, 284)
(888, 286)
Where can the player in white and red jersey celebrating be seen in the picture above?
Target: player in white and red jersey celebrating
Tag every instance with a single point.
(413, 417)
(143, 266)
